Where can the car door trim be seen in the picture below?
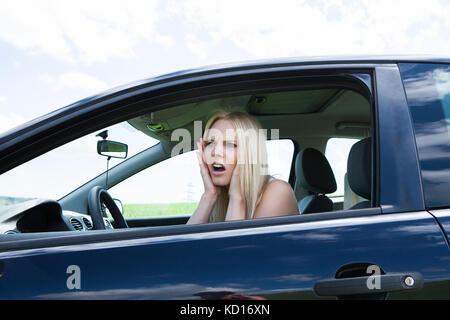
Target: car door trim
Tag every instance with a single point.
(13, 242)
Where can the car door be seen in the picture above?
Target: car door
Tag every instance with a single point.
(270, 261)
(393, 249)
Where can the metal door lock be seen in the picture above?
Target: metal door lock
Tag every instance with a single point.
(409, 281)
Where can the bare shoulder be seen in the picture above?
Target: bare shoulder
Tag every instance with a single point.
(278, 199)
(278, 188)
(277, 185)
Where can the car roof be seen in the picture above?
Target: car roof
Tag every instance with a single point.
(313, 60)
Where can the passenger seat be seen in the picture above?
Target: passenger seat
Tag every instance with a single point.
(313, 173)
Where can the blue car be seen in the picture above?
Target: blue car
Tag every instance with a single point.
(95, 197)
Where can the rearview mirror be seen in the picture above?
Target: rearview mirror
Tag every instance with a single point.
(112, 149)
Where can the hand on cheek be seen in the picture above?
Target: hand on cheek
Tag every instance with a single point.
(235, 192)
(210, 188)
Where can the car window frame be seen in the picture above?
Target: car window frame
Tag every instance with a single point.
(281, 78)
(399, 188)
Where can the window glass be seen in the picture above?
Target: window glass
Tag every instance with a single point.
(175, 186)
(279, 154)
(336, 152)
(427, 89)
(61, 170)
(170, 187)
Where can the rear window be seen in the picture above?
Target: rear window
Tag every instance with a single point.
(427, 89)
(337, 152)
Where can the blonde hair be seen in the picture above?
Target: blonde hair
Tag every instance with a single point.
(252, 158)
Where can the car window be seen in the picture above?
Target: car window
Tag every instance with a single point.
(174, 186)
(61, 170)
(427, 89)
(336, 152)
(280, 153)
(149, 187)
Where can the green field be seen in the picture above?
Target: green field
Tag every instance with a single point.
(7, 201)
(158, 209)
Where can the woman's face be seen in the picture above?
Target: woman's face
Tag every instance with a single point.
(221, 151)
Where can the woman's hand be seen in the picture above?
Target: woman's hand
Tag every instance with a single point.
(236, 206)
(210, 189)
(207, 201)
(234, 191)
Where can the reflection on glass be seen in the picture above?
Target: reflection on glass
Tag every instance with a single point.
(427, 89)
(442, 80)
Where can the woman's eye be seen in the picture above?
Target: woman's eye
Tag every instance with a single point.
(231, 145)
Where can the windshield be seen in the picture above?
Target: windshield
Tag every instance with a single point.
(59, 171)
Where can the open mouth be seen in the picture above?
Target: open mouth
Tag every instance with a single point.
(218, 168)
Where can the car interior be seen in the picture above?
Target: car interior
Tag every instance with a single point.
(308, 117)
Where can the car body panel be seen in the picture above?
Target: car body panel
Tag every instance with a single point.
(272, 262)
(443, 216)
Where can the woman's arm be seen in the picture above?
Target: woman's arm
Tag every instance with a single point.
(236, 209)
(277, 200)
(209, 197)
(203, 211)
(236, 204)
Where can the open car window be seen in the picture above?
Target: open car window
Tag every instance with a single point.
(59, 171)
(159, 183)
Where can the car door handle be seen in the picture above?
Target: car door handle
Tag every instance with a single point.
(383, 283)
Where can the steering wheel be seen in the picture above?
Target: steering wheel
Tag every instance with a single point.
(98, 196)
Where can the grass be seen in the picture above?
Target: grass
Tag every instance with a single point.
(158, 209)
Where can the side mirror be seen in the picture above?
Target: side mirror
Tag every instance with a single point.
(112, 149)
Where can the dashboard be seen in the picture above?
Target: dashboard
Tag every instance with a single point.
(43, 215)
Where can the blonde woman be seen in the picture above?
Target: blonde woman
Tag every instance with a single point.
(233, 165)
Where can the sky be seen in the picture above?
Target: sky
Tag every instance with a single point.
(53, 53)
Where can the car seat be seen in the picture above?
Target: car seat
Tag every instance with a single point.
(359, 175)
(313, 173)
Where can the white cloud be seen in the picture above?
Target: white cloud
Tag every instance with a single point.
(10, 120)
(2, 99)
(290, 27)
(87, 31)
(96, 31)
(75, 80)
(196, 46)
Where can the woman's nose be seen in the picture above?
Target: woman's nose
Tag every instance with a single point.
(217, 149)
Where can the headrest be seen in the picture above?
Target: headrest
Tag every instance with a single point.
(359, 168)
(313, 172)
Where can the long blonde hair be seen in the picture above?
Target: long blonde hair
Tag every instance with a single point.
(252, 157)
